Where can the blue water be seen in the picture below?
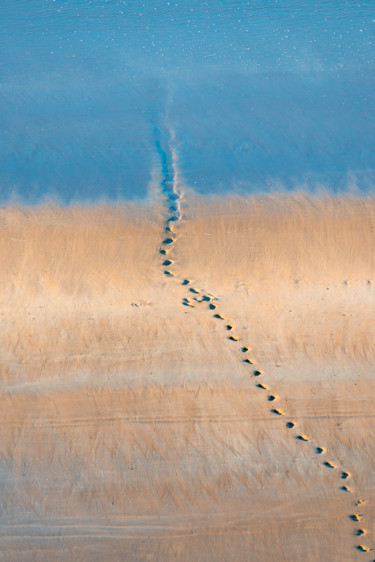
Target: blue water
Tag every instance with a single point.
(256, 96)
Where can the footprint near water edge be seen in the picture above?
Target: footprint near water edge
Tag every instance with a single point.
(199, 297)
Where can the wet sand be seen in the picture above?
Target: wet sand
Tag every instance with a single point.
(211, 408)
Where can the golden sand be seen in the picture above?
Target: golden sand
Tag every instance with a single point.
(206, 409)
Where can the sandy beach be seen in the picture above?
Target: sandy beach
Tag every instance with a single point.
(194, 389)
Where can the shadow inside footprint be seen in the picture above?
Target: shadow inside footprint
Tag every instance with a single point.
(229, 327)
(359, 532)
(168, 273)
(355, 517)
(186, 282)
(233, 338)
(257, 373)
(277, 412)
(271, 398)
(212, 306)
(329, 464)
(248, 361)
(290, 425)
(167, 262)
(303, 438)
(319, 450)
(186, 302)
(168, 241)
(260, 385)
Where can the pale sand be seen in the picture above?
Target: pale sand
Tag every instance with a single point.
(130, 427)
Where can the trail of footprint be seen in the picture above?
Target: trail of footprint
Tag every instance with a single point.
(173, 204)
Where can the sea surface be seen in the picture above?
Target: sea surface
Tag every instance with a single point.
(256, 96)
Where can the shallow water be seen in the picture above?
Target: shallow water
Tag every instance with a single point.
(254, 96)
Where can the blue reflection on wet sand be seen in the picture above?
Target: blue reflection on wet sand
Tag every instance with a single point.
(259, 95)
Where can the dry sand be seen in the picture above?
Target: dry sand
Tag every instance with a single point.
(131, 427)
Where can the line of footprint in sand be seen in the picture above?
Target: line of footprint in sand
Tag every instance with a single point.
(198, 297)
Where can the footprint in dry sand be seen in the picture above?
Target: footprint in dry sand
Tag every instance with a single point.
(355, 517)
(345, 475)
(277, 412)
(212, 306)
(290, 425)
(167, 262)
(345, 489)
(329, 464)
(168, 273)
(360, 532)
(257, 373)
(219, 316)
(195, 291)
(363, 548)
(262, 386)
(186, 302)
(234, 338)
(186, 282)
(248, 361)
(319, 450)
(168, 241)
(244, 349)
(271, 398)
(229, 327)
(303, 438)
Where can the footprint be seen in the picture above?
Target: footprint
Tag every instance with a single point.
(360, 532)
(358, 502)
(244, 349)
(167, 262)
(363, 548)
(219, 316)
(206, 298)
(355, 517)
(271, 398)
(290, 425)
(195, 291)
(212, 306)
(186, 302)
(345, 489)
(263, 386)
(164, 252)
(303, 438)
(229, 327)
(168, 241)
(277, 412)
(257, 373)
(329, 464)
(234, 338)
(319, 450)
(345, 475)
(168, 273)
(248, 361)
(186, 282)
